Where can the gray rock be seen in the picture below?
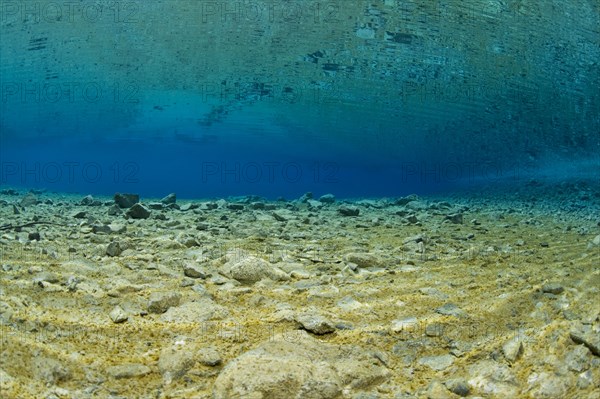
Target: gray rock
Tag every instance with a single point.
(456, 218)
(450, 309)
(437, 363)
(552, 288)
(100, 229)
(587, 338)
(169, 199)
(314, 204)
(130, 370)
(209, 356)
(578, 359)
(251, 269)
(278, 217)
(194, 271)
(138, 211)
(458, 387)
(175, 360)
(80, 215)
(203, 309)
(156, 206)
(126, 200)
(118, 315)
(294, 365)
(548, 386)
(513, 349)
(49, 370)
(235, 207)
(29, 200)
(495, 379)
(159, 302)
(114, 210)
(115, 248)
(348, 210)
(364, 259)
(305, 197)
(327, 199)
(315, 323)
(188, 207)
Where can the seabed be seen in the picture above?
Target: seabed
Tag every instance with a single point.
(487, 294)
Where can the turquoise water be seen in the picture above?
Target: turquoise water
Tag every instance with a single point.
(277, 98)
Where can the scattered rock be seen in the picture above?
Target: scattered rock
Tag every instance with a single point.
(169, 199)
(364, 259)
(138, 211)
(175, 360)
(437, 363)
(159, 302)
(458, 387)
(513, 349)
(348, 210)
(588, 338)
(50, 370)
(315, 323)
(194, 271)
(278, 217)
(115, 248)
(118, 315)
(305, 197)
(552, 288)
(209, 356)
(198, 311)
(34, 236)
(450, 309)
(327, 199)
(578, 359)
(131, 370)
(456, 218)
(251, 269)
(29, 200)
(298, 366)
(126, 200)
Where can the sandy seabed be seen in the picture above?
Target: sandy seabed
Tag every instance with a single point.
(481, 295)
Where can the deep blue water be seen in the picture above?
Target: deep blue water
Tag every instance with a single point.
(369, 102)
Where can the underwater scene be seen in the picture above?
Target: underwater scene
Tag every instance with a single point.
(299, 199)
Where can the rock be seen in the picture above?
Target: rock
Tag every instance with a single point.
(156, 206)
(437, 390)
(406, 200)
(588, 338)
(305, 197)
(138, 211)
(80, 215)
(114, 210)
(327, 199)
(295, 365)
(126, 200)
(513, 349)
(450, 309)
(235, 207)
(364, 259)
(100, 229)
(198, 311)
(595, 242)
(548, 386)
(578, 359)
(175, 360)
(130, 370)
(118, 315)
(117, 228)
(458, 387)
(115, 248)
(88, 200)
(251, 269)
(348, 210)
(15, 210)
(456, 218)
(437, 363)
(159, 302)
(315, 323)
(552, 288)
(278, 217)
(49, 370)
(29, 200)
(169, 199)
(493, 379)
(188, 207)
(209, 356)
(314, 204)
(194, 271)
(34, 236)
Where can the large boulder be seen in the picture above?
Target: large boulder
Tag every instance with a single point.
(296, 366)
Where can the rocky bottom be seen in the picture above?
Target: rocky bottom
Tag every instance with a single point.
(474, 295)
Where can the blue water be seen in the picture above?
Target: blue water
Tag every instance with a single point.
(398, 100)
